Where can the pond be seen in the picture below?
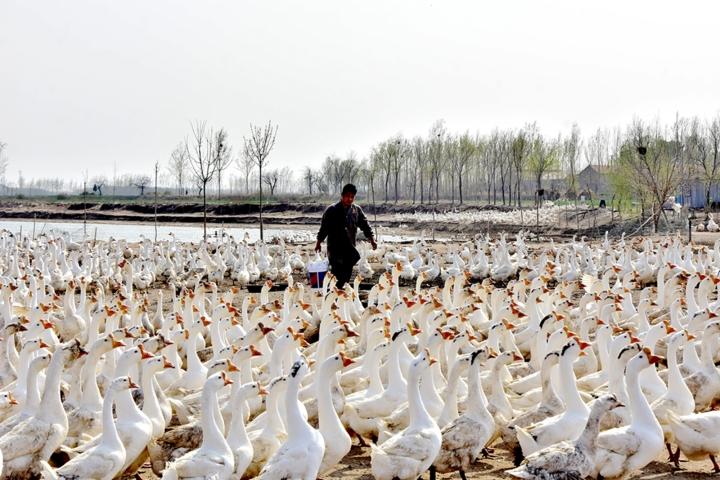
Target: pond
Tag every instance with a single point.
(184, 233)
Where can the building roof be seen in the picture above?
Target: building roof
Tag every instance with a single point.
(603, 169)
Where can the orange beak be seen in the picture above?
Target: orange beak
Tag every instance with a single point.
(254, 352)
(346, 361)
(143, 354)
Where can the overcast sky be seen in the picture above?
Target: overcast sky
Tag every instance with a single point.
(88, 84)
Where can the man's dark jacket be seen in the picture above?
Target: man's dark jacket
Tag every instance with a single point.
(339, 226)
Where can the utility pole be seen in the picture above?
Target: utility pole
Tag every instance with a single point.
(157, 166)
(84, 194)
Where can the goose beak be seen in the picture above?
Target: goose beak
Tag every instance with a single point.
(254, 352)
(634, 339)
(118, 343)
(517, 358)
(346, 361)
(226, 379)
(232, 367)
(12, 400)
(654, 359)
(132, 384)
(43, 345)
(261, 390)
(143, 354)
(166, 363)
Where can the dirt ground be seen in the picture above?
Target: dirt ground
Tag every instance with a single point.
(356, 466)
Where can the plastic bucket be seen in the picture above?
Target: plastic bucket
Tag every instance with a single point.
(316, 271)
(315, 279)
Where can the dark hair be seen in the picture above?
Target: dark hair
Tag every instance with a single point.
(349, 188)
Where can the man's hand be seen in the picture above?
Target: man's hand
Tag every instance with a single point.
(373, 243)
(318, 246)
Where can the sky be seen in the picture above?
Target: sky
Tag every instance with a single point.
(106, 85)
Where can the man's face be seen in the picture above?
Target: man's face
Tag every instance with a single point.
(347, 199)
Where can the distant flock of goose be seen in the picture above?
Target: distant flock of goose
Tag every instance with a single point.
(584, 360)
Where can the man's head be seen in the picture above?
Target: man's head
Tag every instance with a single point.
(348, 195)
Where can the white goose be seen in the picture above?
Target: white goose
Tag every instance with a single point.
(623, 450)
(467, 435)
(302, 453)
(33, 440)
(569, 460)
(107, 458)
(213, 460)
(408, 454)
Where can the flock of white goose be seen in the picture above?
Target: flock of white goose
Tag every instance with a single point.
(113, 355)
(547, 214)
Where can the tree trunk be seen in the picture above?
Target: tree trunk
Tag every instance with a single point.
(396, 186)
(262, 237)
(204, 191)
(460, 187)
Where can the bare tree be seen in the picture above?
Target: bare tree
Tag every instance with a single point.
(519, 152)
(397, 151)
(271, 179)
(309, 179)
(465, 151)
(702, 145)
(542, 158)
(420, 152)
(571, 152)
(222, 157)
(652, 163)
(177, 166)
(3, 162)
(201, 156)
(247, 167)
(141, 182)
(258, 147)
(98, 184)
(436, 157)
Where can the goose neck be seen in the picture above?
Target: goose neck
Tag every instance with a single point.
(418, 414)
(327, 416)
(639, 406)
(571, 396)
(110, 435)
(51, 407)
(212, 436)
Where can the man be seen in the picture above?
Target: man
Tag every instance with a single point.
(339, 225)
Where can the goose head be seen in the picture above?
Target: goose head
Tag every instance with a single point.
(222, 365)
(156, 364)
(642, 360)
(508, 357)
(122, 383)
(605, 404)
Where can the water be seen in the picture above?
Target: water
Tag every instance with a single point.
(185, 233)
